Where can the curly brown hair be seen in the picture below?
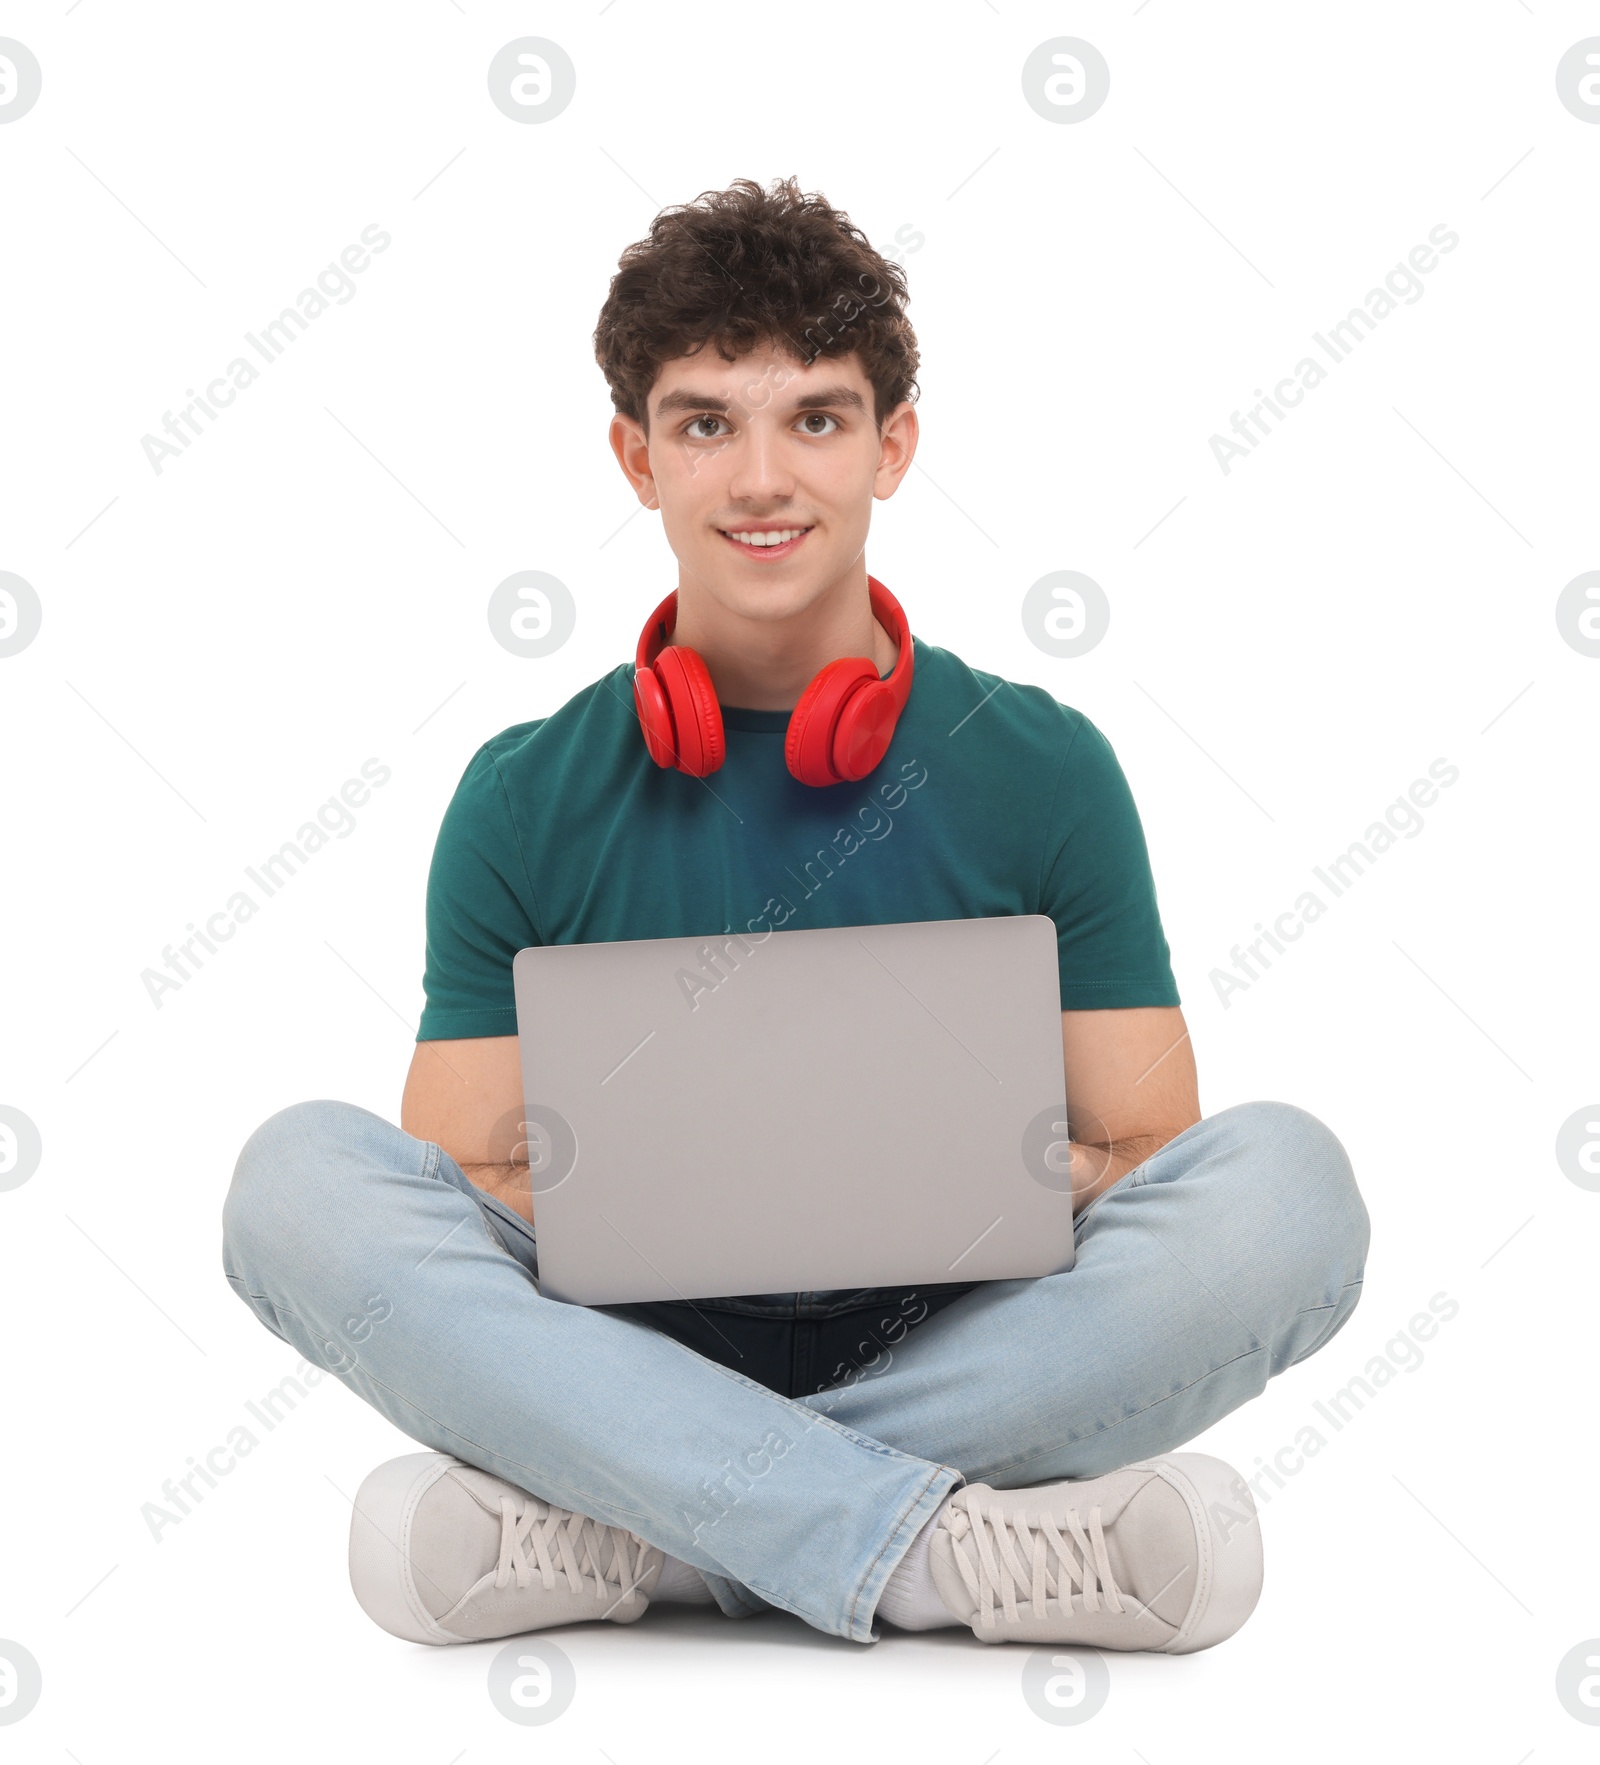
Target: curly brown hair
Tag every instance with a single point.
(743, 267)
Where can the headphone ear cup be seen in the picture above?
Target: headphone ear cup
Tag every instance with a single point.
(865, 728)
(696, 715)
(808, 748)
(654, 717)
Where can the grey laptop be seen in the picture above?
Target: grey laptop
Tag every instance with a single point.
(844, 1107)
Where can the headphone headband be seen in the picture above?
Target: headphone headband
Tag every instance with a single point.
(658, 628)
(840, 728)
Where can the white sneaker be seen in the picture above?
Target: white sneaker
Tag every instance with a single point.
(1131, 1560)
(443, 1552)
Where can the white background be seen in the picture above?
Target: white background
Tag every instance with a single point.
(1291, 644)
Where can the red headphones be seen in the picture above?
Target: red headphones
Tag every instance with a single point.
(840, 729)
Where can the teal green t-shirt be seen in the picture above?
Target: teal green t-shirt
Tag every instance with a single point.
(993, 798)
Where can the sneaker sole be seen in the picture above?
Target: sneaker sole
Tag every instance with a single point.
(1227, 1530)
(380, 1560)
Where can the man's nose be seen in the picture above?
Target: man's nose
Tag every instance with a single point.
(760, 473)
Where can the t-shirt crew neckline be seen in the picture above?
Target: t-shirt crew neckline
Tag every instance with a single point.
(770, 722)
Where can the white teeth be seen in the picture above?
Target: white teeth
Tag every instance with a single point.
(781, 537)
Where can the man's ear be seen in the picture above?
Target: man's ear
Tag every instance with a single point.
(632, 448)
(897, 446)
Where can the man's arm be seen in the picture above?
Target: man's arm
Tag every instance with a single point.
(1131, 1087)
(466, 1096)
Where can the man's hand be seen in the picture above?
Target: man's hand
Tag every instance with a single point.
(1131, 1087)
(1095, 1168)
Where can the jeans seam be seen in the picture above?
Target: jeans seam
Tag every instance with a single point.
(737, 1590)
(1328, 1333)
(1332, 1305)
(1133, 1415)
(863, 1440)
(900, 1518)
(272, 1305)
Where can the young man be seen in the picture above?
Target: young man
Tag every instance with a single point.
(997, 1455)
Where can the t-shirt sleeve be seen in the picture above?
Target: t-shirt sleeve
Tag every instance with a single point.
(480, 911)
(1098, 888)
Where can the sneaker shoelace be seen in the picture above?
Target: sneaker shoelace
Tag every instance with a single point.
(571, 1544)
(1008, 1554)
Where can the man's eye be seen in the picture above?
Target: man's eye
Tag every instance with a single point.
(699, 433)
(819, 417)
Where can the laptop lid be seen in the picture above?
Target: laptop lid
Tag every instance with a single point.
(839, 1107)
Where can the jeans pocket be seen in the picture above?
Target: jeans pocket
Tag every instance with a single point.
(510, 1231)
(1133, 1179)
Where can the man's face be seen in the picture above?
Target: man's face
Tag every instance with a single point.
(742, 452)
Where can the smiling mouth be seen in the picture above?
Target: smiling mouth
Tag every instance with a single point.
(765, 544)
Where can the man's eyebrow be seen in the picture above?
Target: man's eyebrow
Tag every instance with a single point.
(820, 399)
(830, 395)
(690, 401)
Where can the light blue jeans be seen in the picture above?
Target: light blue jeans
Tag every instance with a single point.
(1230, 1254)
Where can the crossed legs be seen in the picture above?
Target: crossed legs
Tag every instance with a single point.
(1231, 1253)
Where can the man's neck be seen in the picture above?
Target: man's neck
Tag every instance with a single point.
(765, 665)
